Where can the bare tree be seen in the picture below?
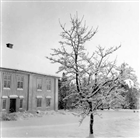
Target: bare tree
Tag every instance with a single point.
(103, 78)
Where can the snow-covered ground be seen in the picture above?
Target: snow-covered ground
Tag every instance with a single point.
(63, 124)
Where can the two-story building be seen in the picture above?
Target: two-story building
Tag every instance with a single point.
(23, 89)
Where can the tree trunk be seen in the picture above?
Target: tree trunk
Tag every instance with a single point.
(91, 134)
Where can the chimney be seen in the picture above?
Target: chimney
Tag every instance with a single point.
(9, 45)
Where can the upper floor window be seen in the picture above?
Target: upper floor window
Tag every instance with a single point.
(20, 81)
(48, 81)
(39, 84)
(7, 80)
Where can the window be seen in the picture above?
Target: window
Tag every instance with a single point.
(39, 102)
(4, 104)
(7, 80)
(48, 81)
(48, 102)
(39, 84)
(21, 103)
(20, 81)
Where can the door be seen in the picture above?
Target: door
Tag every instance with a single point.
(12, 105)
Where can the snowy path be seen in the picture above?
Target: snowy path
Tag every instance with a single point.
(115, 124)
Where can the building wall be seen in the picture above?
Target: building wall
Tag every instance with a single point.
(34, 93)
(13, 91)
(29, 92)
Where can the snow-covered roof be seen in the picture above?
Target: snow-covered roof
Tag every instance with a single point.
(13, 59)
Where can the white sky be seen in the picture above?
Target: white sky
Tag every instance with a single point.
(33, 27)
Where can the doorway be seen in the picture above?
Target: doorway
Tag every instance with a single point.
(12, 105)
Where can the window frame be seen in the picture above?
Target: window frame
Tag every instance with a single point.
(49, 84)
(20, 82)
(7, 80)
(21, 107)
(4, 99)
(39, 102)
(49, 102)
(37, 84)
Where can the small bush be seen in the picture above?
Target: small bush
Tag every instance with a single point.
(9, 117)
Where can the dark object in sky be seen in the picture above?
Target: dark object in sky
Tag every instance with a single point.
(9, 45)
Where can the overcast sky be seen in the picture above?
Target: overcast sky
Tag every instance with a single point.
(33, 27)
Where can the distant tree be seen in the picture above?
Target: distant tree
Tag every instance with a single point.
(97, 79)
(132, 98)
(131, 87)
(63, 92)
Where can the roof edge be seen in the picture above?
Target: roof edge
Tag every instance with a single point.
(29, 72)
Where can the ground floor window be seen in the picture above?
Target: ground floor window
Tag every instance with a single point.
(4, 104)
(21, 103)
(48, 102)
(39, 102)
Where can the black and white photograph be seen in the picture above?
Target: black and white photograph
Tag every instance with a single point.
(69, 69)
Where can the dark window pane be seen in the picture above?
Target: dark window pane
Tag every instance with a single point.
(21, 85)
(18, 85)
